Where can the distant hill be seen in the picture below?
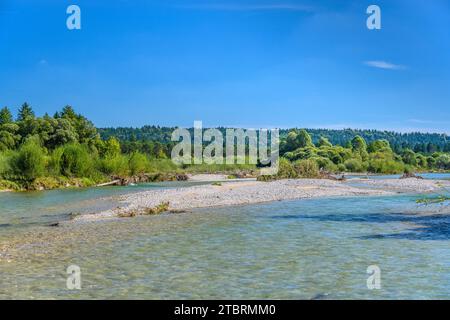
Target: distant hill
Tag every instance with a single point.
(419, 142)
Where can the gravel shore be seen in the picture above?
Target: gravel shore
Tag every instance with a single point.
(250, 192)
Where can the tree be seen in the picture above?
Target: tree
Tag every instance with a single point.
(137, 163)
(5, 116)
(84, 128)
(69, 113)
(8, 136)
(422, 161)
(8, 130)
(63, 133)
(324, 142)
(75, 161)
(25, 112)
(409, 157)
(291, 141)
(359, 146)
(30, 159)
(380, 146)
(443, 162)
(304, 139)
(431, 148)
(111, 148)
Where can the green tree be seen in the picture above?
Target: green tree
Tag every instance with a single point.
(138, 163)
(291, 141)
(409, 157)
(324, 142)
(5, 116)
(359, 146)
(8, 130)
(111, 148)
(75, 161)
(85, 129)
(306, 168)
(380, 146)
(25, 112)
(422, 161)
(29, 162)
(304, 139)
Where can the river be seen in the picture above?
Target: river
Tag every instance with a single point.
(318, 248)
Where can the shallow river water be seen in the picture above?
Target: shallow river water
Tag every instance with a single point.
(319, 248)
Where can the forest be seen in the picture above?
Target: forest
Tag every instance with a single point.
(66, 149)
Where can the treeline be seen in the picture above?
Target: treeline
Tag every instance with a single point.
(301, 154)
(65, 149)
(418, 142)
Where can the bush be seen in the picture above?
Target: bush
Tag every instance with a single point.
(386, 166)
(138, 163)
(9, 185)
(354, 165)
(54, 162)
(443, 162)
(286, 169)
(117, 165)
(30, 160)
(5, 167)
(325, 164)
(306, 168)
(75, 161)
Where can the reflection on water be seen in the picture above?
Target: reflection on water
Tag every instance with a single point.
(293, 250)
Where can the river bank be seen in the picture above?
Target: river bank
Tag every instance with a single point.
(248, 191)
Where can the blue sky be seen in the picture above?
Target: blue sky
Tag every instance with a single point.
(249, 63)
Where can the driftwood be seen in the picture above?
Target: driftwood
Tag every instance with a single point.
(142, 178)
(111, 183)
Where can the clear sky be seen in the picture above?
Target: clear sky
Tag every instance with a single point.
(249, 63)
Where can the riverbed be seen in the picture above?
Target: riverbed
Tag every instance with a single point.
(296, 249)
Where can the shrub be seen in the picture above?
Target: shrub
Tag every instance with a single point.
(54, 162)
(354, 165)
(5, 166)
(443, 162)
(75, 161)
(286, 169)
(306, 168)
(325, 164)
(386, 166)
(29, 162)
(160, 208)
(138, 163)
(117, 165)
(9, 185)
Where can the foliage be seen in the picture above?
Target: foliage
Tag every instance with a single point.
(29, 161)
(67, 149)
(75, 161)
(138, 163)
(306, 169)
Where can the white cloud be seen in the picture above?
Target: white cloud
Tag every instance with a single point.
(384, 65)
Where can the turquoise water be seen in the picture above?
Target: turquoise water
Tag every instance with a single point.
(21, 209)
(281, 250)
(432, 176)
